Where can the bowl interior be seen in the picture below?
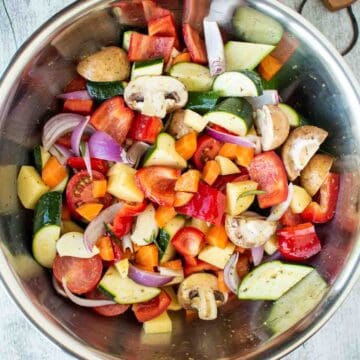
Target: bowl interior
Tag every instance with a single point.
(314, 83)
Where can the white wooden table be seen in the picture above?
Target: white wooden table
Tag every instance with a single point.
(340, 337)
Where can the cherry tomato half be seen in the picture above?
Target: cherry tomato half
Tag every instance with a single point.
(207, 149)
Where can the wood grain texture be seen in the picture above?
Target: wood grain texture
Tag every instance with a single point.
(340, 337)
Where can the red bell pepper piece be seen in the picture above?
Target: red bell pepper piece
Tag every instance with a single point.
(145, 128)
(144, 47)
(164, 26)
(114, 118)
(324, 211)
(152, 308)
(268, 171)
(290, 219)
(76, 84)
(222, 180)
(194, 12)
(207, 204)
(298, 242)
(199, 266)
(195, 44)
(78, 163)
(188, 241)
(78, 106)
(132, 209)
(158, 183)
(152, 11)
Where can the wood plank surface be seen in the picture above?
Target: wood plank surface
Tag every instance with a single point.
(340, 337)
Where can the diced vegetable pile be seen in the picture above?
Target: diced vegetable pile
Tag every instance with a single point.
(170, 171)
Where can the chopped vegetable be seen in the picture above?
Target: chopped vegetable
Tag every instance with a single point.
(83, 107)
(210, 172)
(195, 44)
(89, 211)
(188, 182)
(106, 251)
(164, 214)
(164, 26)
(182, 198)
(147, 256)
(216, 236)
(186, 146)
(53, 172)
(145, 128)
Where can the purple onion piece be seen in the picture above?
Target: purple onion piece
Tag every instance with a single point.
(231, 277)
(148, 278)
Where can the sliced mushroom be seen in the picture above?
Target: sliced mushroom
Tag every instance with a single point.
(273, 126)
(109, 64)
(155, 95)
(249, 231)
(201, 292)
(302, 143)
(177, 127)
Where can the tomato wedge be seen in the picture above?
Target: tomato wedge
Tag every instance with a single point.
(144, 47)
(78, 163)
(79, 191)
(145, 128)
(207, 149)
(268, 171)
(114, 118)
(195, 44)
(132, 209)
(81, 275)
(65, 140)
(298, 242)
(107, 310)
(158, 183)
(153, 308)
(188, 241)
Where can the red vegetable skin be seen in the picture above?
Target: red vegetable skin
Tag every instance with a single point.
(164, 26)
(198, 266)
(290, 219)
(222, 180)
(207, 149)
(76, 84)
(65, 140)
(81, 275)
(298, 242)
(268, 171)
(79, 192)
(195, 44)
(207, 204)
(158, 183)
(83, 107)
(132, 209)
(108, 310)
(153, 308)
(145, 128)
(324, 211)
(144, 47)
(194, 13)
(122, 225)
(152, 11)
(188, 241)
(78, 163)
(114, 118)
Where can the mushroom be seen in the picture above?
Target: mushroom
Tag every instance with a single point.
(249, 230)
(177, 127)
(273, 126)
(155, 95)
(302, 143)
(109, 64)
(201, 292)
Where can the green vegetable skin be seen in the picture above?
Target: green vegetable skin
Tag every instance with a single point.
(101, 91)
(202, 102)
(253, 26)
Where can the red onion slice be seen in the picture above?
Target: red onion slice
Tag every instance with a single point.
(148, 278)
(58, 288)
(60, 152)
(85, 302)
(75, 95)
(257, 254)
(247, 141)
(127, 243)
(87, 159)
(58, 126)
(96, 227)
(77, 134)
(214, 47)
(269, 97)
(103, 146)
(231, 277)
(279, 210)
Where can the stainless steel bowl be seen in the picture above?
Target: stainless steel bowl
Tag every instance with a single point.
(321, 85)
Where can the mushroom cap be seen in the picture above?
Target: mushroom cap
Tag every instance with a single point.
(109, 64)
(249, 231)
(273, 125)
(155, 95)
(302, 143)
